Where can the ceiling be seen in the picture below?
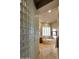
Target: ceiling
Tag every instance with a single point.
(41, 3)
(45, 16)
(49, 17)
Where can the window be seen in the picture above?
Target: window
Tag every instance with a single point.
(46, 31)
(54, 33)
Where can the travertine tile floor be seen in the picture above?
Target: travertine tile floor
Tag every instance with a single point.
(48, 50)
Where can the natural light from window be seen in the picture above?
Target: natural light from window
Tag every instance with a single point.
(46, 31)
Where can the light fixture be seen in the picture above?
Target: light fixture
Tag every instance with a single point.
(49, 11)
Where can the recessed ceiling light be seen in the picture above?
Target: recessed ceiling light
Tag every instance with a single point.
(49, 11)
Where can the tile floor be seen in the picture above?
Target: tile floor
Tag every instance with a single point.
(48, 50)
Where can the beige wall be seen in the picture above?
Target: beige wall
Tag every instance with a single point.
(55, 24)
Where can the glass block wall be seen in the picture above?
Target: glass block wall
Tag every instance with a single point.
(29, 30)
